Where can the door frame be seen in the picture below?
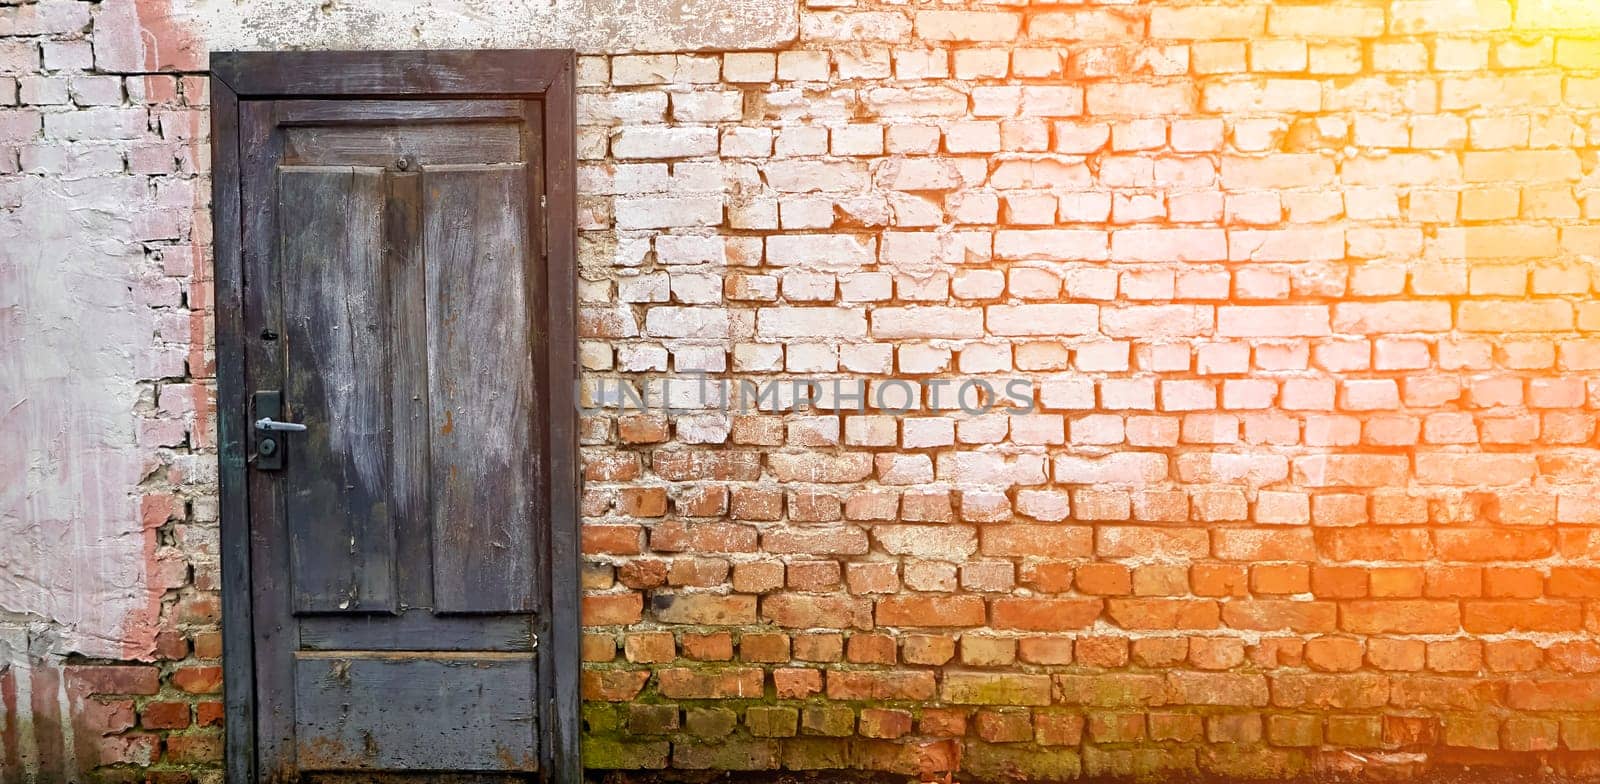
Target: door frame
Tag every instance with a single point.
(543, 75)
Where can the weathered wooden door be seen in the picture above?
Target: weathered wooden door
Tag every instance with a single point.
(398, 369)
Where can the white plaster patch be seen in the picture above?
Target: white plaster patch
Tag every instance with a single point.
(589, 26)
(72, 549)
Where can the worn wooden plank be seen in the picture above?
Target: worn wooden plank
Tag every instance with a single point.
(357, 112)
(238, 671)
(417, 630)
(408, 394)
(336, 319)
(360, 713)
(559, 155)
(381, 777)
(421, 144)
(270, 588)
(477, 72)
(484, 447)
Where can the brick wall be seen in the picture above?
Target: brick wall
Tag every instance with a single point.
(103, 225)
(1304, 291)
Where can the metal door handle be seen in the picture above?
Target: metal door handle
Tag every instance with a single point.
(269, 424)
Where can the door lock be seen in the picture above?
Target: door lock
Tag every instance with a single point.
(269, 446)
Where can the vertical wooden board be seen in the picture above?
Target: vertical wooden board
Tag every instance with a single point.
(484, 443)
(232, 436)
(336, 315)
(408, 395)
(272, 635)
(445, 713)
(558, 153)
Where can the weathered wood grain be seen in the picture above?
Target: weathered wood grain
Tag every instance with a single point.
(417, 630)
(415, 713)
(356, 112)
(422, 144)
(336, 328)
(480, 388)
(233, 437)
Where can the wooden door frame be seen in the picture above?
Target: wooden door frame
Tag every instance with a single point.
(543, 75)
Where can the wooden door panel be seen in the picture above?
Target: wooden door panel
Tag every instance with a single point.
(336, 326)
(459, 713)
(402, 608)
(480, 388)
(417, 630)
(424, 144)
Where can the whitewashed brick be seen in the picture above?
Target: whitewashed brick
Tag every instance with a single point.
(1056, 319)
(757, 357)
(809, 176)
(821, 251)
(811, 322)
(651, 287)
(694, 288)
(921, 64)
(802, 66)
(690, 249)
(862, 139)
(668, 212)
(754, 67)
(663, 142)
(708, 106)
(644, 69)
(808, 286)
(688, 322)
(96, 124)
(968, 25)
(927, 322)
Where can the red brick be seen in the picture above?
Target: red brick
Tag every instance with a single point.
(613, 685)
(198, 680)
(112, 679)
(922, 611)
(1005, 725)
(1400, 616)
(730, 683)
(713, 646)
(764, 647)
(1035, 540)
(1495, 617)
(884, 723)
(1039, 614)
(1163, 613)
(805, 611)
(869, 685)
(164, 715)
(1101, 652)
(795, 684)
(646, 647)
(612, 609)
(870, 649)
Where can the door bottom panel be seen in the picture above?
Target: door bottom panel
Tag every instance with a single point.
(460, 712)
(416, 778)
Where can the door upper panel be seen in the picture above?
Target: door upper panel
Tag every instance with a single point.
(480, 388)
(408, 275)
(341, 497)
